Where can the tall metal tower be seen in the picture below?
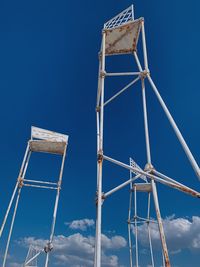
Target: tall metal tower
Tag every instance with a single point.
(119, 37)
(47, 142)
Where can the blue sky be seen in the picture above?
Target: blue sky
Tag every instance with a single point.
(49, 65)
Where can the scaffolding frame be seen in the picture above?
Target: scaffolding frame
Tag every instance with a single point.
(120, 36)
(43, 141)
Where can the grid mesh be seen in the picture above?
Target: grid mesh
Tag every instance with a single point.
(135, 165)
(122, 18)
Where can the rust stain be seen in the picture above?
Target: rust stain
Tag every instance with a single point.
(123, 30)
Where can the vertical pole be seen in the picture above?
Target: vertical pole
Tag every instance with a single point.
(135, 224)
(129, 221)
(146, 122)
(100, 159)
(149, 232)
(56, 207)
(15, 190)
(144, 48)
(160, 225)
(137, 61)
(11, 228)
(8, 209)
(175, 128)
(21, 175)
(154, 190)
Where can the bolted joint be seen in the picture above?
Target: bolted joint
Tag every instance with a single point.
(144, 73)
(48, 247)
(102, 198)
(20, 182)
(149, 168)
(100, 156)
(98, 108)
(59, 184)
(102, 73)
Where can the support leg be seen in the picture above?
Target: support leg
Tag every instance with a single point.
(175, 128)
(146, 123)
(135, 226)
(49, 245)
(100, 158)
(11, 228)
(129, 222)
(21, 173)
(149, 231)
(160, 225)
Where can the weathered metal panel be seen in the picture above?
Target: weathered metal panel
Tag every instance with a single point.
(143, 187)
(123, 39)
(47, 146)
(43, 134)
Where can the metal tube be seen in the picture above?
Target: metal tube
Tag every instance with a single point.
(8, 209)
(158, 179)
(144, 47)
(56, 204)
(11, 228)
(122, 73)
(24, 160)
(35, 256)
(146, 122)
(135, 225)
(149, 230)
(129, 221)
(185, 189)
(100, 162)
(137, 61)
(160, 225)
(39, 182)
(21, 173)
(40, 186)
(99, 84)
(120, 186)
(121, 91)
(26, 165)
(175, 128)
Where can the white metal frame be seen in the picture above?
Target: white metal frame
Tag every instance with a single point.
(115, 26)
(41, 141)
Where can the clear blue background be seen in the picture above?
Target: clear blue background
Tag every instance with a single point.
(48, 78)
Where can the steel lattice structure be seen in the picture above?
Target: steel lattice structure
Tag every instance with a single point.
(120, 36)
(46, 142)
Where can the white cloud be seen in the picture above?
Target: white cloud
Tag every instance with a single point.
(82, 224)
(181, 233)
(78, 251)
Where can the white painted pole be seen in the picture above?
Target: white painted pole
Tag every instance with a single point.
(105, 195)
(160, 225)
(56, 205)
(135, 226)
(144, 47)
(8, 209)
(175, 128)
(129, 221)
(100, 159)
(11, 228)
(149, 230)
(146, 122)
(121, 91)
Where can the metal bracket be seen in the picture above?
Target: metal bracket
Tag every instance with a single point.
(102, 74)
(48, 247)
